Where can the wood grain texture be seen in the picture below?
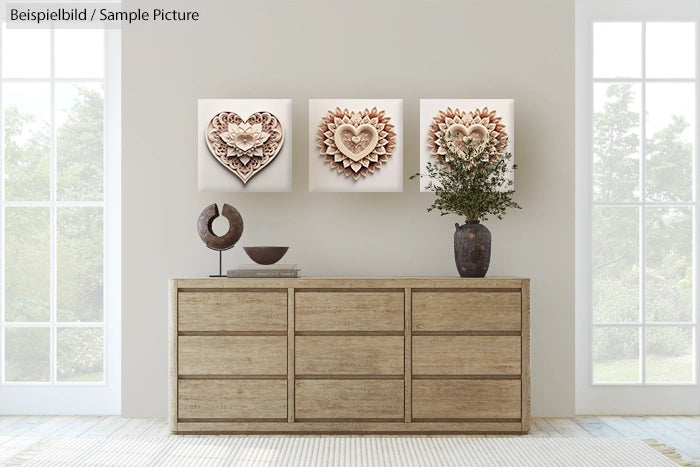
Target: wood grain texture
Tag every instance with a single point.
(445, 399)
(352, 282)
(290, 354)
(232, 355)
(232, 311)
(355, 399)
(466, 311)
(349, 311)
(408, 409)
(207, 399)
(346, 355)
(457, 355)
(172, 355)
(525, 389)
(341, 427)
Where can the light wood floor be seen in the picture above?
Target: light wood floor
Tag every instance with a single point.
(18, 433)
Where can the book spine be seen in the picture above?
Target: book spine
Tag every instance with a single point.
(256, 273)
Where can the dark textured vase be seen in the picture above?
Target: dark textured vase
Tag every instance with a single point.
(472, 249)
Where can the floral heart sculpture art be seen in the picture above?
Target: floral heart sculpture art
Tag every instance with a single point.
(465, 128)
(356, 143)
(244, 147)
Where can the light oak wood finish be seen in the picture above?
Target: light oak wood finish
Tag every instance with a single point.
(232, 355)
(454, 399)
(242, 400)
(349, 400)
(290, 354)
(348, 355)
(172, 355)
(466, 355)
(525, 355)
(232, 311)
(349, 311)
(466, 311)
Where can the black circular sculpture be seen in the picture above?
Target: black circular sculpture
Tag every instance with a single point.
(223, 242)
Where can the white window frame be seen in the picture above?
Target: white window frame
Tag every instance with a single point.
(53, 397)
(628, 398)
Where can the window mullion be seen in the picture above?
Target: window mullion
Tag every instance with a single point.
(53, 213)
(642, 212)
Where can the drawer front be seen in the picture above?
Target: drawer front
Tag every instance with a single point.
(349, 399)
(349, 355)
(466, 399)
(232, 311)
(232, 355)
(349, 311)
(466, 355)
(466, 311)
(227, 399)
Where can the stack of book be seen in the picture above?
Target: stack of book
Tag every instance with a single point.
(260, 270)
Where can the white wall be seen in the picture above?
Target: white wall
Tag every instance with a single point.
(394, 49)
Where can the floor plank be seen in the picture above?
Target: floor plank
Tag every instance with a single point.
(597, 427)
(133, 428)
(105, 427)
(568, 428)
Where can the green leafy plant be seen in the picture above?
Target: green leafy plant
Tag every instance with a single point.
(471, 181)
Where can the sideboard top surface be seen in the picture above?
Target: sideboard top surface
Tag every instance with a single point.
(354, 282)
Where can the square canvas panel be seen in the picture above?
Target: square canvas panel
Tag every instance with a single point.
(252, 140)
(430, 112)
(360, 150)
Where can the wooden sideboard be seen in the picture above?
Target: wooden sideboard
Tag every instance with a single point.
(350, 355)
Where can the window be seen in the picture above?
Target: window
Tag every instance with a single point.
(59, 195)
(636, 206)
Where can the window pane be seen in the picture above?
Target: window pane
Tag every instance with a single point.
(615, 264)
(669, 355)
(27, 264)
(79, 264)
(27, 135)
(18, 45)
(670, 50)
(80, 354)
(617, 50)
(89, 63)
(79, 145)
(27, 354)
(616, 148)
(615, 355)
(670, 139)
(669, 267)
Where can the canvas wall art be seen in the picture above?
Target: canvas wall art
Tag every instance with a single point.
(244, 145)
(355, 145)
(466, 121)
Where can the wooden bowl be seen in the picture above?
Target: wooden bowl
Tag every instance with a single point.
(265, 254)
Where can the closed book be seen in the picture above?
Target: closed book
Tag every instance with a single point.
(263, 273)
(267, 267)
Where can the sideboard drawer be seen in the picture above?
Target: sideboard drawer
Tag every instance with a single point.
(349, 399)
(466, 399)
(349, 355)
(349, 311)
(229, 399)
(466, 311)
(232, 355)
(466, 355)
(232, 311)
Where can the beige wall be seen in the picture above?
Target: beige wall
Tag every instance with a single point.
(371, 49)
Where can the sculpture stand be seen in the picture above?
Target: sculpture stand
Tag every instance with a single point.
(221, 252)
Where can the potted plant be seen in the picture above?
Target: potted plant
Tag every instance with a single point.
(471, 180)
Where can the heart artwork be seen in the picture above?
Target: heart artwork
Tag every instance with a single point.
(465, 129)
(356, 143)
(244, 147)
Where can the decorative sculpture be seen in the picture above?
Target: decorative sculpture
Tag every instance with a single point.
(244, 147)
(223, 242)
(466, 128)
(356, 143)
